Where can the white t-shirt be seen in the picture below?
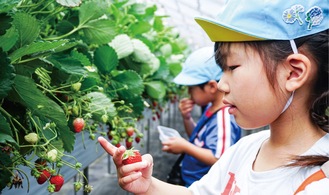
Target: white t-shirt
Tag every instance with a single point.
(232, 174)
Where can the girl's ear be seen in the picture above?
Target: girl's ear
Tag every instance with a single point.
(299, 67)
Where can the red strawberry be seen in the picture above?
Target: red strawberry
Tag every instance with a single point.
(129, 142)
(131, 156)
(44, 176)
(118, 145)
(130, 131)
(58, 181)
(137, 139)
(78, 124)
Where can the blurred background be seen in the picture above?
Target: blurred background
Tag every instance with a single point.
(181, 15)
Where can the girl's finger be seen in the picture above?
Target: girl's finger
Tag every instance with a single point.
(108, 147)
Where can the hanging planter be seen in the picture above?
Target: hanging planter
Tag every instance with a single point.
(95, 62)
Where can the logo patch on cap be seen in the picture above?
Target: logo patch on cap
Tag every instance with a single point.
(292, 14)
(313, 16)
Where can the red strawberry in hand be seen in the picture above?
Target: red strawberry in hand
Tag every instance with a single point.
(78, 124)
(131, 156)
(58, 181)
(44, 176)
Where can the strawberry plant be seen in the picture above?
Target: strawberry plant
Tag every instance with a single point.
(75, 66)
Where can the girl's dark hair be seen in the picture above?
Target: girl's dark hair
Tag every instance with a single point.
(272, 53)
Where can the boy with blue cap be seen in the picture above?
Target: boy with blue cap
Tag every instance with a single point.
(274, 55)
(216, 129)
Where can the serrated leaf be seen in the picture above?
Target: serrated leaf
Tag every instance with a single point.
(91, 11)
(151, 67)
(128, 83)
(99, 105)
(4, 126)
(122, 45)
(7, 75)
(8, 40)
(81, 57)
(43, 107)
(139, 28)
(66, 64)
(105, 59)
(36, 48)
(99, 31)
(69, 3)
(28, 28)
(155, 89)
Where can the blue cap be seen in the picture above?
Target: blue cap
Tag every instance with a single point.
(252, 20)
(200, 67)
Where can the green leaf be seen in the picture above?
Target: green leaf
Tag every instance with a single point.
(128, 83)
(175, 69)
(155, 89)
(91, 11)
(7, 75)
(6, 6)
(139, 28)
(137, 104)
(99, 105)
(151, 67)
(7, 139)
(67, 64)
(43, 107)
(81, 57)
(69, 3)
(105, 59)
(99, 31)
(6, 175)
(37, 48)
(28, 28)
(8, 40)
(4, 126)
(158, 24)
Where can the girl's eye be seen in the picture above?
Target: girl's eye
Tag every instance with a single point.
(232, 67)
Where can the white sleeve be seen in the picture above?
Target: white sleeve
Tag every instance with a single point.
(320, 187)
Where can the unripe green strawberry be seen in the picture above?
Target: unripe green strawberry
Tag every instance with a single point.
(105, 118)
(76, 86)
(52, 155)
(32, 138)
(75, 110)
(77, 186)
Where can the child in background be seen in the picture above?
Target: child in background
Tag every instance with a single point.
(216, 129)
(274, 55)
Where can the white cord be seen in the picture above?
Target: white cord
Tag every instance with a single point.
(293, 46)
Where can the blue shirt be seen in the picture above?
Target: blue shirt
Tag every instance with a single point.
(218, 132)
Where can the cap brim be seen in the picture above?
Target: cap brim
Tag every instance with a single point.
(221, 33)
(183, 79)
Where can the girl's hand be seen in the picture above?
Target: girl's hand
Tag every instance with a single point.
(135, 178)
